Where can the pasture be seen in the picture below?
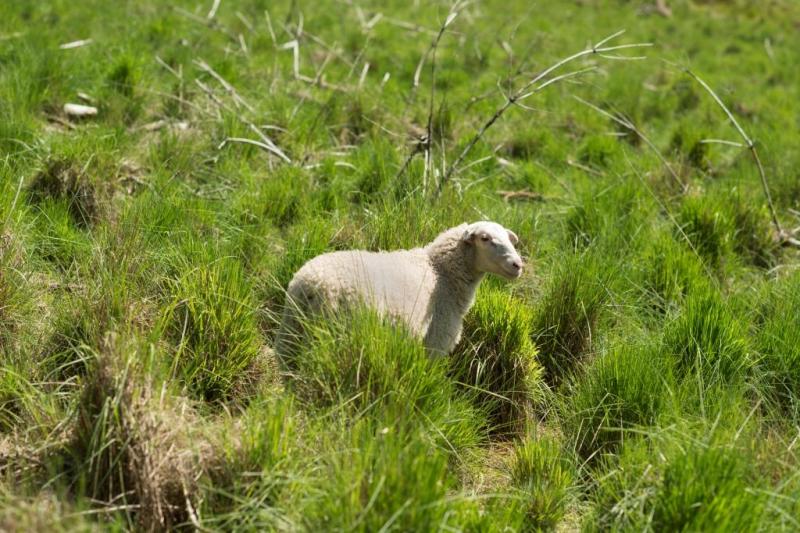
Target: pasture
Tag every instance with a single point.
(642, 375)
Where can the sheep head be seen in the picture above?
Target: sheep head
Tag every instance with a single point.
(494, 249)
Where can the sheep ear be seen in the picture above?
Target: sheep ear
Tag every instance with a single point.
(512, 236)
(469, 236)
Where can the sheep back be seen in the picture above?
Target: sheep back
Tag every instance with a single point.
(396, 284)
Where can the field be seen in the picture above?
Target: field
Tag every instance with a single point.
(642, 375)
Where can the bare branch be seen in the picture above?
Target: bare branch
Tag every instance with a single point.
(628, 124)
(451, 16)
(531, 87)
(425, 142)
(783, 237)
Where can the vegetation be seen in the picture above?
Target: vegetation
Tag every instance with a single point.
(643, 374)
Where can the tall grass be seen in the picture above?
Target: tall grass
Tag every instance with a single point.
(545, 476)
(567, 315)
(707, 340)
(365, 365)
(670, 271)
(211, 320)
(684, 479)
(626, 389)
(497, 361)
(130, 448)
(778, 342)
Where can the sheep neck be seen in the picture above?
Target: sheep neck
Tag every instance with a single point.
(452, 260)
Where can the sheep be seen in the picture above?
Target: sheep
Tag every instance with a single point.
(429, 289)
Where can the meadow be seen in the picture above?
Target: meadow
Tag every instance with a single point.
(643, 375)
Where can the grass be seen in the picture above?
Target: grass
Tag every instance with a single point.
(545, 476)
(641, 375)
(623, 390)
(685, 479)
(496, 362)
(212, 322)
(565, 320)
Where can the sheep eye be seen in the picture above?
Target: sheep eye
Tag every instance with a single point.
(485, 238)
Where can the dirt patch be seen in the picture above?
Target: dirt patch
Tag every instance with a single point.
(65, 180)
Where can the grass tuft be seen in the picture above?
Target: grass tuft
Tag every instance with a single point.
(567, 315)
(598, 150)
(64, 180)
(496, 361)
(753, 238)
(545, 477)
(212, 322)
(681, 480)
(707, 340)
(622, 390)
(778, 342)
(669, 272)
(709, 230)
(132, 449)
(360, 361)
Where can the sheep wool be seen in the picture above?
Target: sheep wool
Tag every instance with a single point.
(430, 289)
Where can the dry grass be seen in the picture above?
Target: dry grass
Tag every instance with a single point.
(135, 445)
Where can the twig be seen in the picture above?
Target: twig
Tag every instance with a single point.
(237, 99)
(214, 98)
(424, 143)
(265, 140)
(169, 68)
(451, 16)
(269, 146)
(585, 168)
(409, 26)
(261, 145)
(75, 44)
(213, 12)
(628, 124)
(783, 237)
(521, 195)
(419, 146)
(663, 9)
(60, 121)
(723, 141)
(209, 23)
(531, 88)
(245, 21)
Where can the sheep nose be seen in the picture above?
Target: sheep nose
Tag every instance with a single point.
(517, 264)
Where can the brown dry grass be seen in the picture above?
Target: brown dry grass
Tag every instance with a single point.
(138, 446)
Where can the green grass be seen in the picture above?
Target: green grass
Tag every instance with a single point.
(642, 375)
(688, 478)
(623, 390)
(496, 362)
(545, 476)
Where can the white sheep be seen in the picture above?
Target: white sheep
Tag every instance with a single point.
(430, 289)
